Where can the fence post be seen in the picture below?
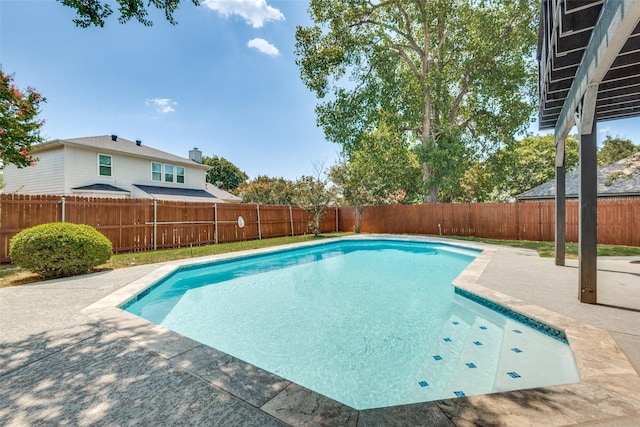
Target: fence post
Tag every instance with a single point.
(215, 223)
(155, 225)
(291, 219)
(539, 239)
(337, 228)
(259, 231)
(64, 209)
(518, 234)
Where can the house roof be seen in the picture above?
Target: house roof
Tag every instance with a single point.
(154, 190)
(105, 143)
(221, 194)
(100, 187)
(621, 178)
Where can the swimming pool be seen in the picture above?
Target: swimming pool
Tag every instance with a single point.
(368, 323)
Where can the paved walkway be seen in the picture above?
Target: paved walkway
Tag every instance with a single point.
(59, 366)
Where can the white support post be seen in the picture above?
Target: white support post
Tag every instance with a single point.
(259, 231)
(215, 223)
(155, 225)
(64, 209)
(291, 219)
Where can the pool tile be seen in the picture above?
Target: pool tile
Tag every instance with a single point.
(513, 374)
(518, 317)
(423, 384)
(477, 343)
(459, 393)
(471, 365)
(516, 350)
(437, 357)
(447, 340)
(456, 323)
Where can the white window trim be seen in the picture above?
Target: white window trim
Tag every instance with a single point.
(184, 172)
(110, 166)
(173, 173)
(161, 171)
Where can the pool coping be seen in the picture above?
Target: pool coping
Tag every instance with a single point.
(604, 369)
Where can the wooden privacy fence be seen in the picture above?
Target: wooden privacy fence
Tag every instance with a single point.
(618, 220)
(143, 224)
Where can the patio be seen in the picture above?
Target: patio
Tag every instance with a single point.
(64, 363)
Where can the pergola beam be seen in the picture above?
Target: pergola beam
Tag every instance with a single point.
(618, 19)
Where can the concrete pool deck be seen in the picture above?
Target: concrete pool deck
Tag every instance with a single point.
(68, 357)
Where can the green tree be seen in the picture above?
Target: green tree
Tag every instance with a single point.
(223, 173)
(454, 76)
(381, 171)
(19, 124)
(314, 195)
(267, 191)
(519, 166)
(94, 12)
(614, 149)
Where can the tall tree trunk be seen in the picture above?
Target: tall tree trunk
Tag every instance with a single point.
(431, 196)
(359, 210)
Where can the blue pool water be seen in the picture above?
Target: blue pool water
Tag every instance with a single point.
(367, 323)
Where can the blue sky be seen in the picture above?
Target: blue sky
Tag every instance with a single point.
(223, 80)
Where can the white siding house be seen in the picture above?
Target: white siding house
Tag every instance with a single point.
(108, 166)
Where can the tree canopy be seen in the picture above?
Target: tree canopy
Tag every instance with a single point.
(267, 191)
(223, 173)
(314, 194)
(381, 171)
(94, 12)
(614, 149)
(515, 168)
(19, 123)
(451, 76)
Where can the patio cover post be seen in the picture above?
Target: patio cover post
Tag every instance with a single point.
(588, 196)
(561, 213)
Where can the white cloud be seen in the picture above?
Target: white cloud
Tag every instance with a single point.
(264, 46)
(604, 130)
(163, 105)
(255, 12)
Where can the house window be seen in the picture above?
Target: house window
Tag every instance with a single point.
(180, 174)
(156, 171)
(104, 165)
(168, 173)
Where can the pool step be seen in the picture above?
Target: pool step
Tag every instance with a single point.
(432, 376)
(475, 370)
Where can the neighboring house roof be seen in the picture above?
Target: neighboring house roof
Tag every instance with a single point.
(99, 187)
(621, 178)
(221, 194)
(155, 191)
(120, 145)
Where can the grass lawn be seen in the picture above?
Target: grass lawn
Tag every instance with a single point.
(11, 275)
(547, 249)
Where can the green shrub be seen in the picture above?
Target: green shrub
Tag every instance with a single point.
(59, 249)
